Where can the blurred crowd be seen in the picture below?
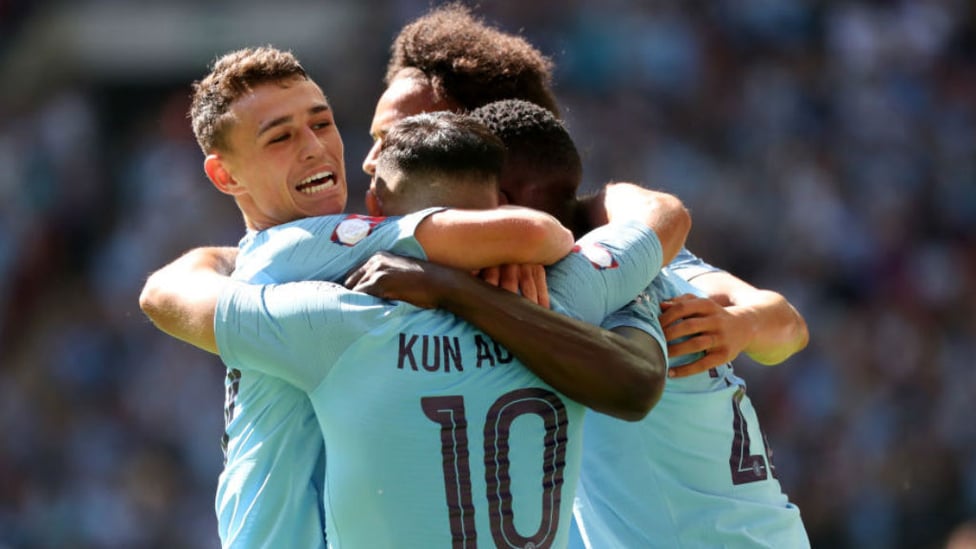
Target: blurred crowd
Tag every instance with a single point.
(827, 150)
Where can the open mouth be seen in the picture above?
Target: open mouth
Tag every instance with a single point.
(317, 183)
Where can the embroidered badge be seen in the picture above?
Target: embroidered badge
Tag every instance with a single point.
(354, 228)
(600, 257)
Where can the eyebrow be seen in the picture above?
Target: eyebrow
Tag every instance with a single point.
(271, 124)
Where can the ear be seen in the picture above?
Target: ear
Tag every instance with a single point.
(373, 205)
(217, 172)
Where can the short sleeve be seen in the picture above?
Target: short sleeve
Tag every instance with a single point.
(326, 247)
(292, 331)
(605, 270)
(687, 265)
(642, 313)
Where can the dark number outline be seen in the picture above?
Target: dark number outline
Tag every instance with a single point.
(747, 467)
(232, 385)
(449, 413)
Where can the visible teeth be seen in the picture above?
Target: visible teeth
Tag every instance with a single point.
(306, 186)
(311, 178)
(316, 188)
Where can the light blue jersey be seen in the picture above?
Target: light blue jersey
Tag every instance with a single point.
(695, 473)
(269, 493)
(687, 265)
(436, 435)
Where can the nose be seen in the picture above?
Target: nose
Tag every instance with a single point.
(312, 145)
(369, 163)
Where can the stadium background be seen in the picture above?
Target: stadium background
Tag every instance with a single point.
(826, 149)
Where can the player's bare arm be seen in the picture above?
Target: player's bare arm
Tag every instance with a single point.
(618, 373)
(181, 297)
(664, 213)
(474, 239)
(737, 317)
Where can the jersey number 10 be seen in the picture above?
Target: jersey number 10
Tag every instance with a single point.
(449, 413)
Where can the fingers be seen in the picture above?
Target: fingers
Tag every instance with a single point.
(527, 284)
(491, 275)
(356, 276)
(509, 278)
(539, 273)
(715, 355)
(532, 284)
(368, 277)
(684, 307)
(688, 327)
(697, 344)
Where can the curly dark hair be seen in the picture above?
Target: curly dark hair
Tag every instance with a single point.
(470, 62)
(531, 134)
(542, 169)
(233, 75)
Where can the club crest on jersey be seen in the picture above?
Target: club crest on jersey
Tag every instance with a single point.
(599, 257)
(351, 230)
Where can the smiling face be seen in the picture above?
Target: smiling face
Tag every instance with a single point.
(284, 155)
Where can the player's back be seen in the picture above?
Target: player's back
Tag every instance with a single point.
(514, 463)
(443, 434)
(436, 437)
(696, 472)
(269, 493)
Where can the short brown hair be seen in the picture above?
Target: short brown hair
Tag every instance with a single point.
(443, 159)
(442, 141)
(233, 75)
(471, 63)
